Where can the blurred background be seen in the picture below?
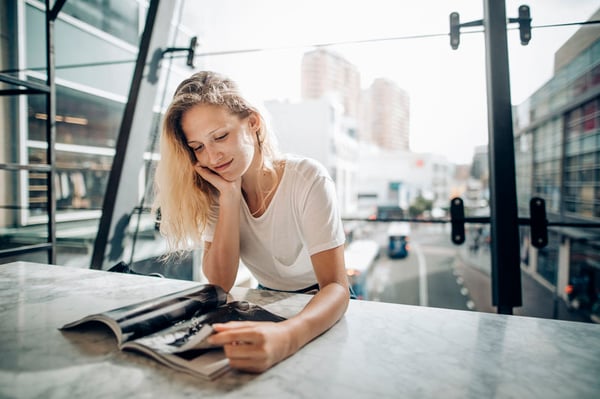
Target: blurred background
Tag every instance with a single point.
(373, 90)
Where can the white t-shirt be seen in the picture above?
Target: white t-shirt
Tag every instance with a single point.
(301, 220)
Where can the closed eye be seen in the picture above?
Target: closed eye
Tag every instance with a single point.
(200, 147)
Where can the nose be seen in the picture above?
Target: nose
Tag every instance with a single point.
(214, 155)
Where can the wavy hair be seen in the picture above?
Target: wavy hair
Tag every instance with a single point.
(185, 201)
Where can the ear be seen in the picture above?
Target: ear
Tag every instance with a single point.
(254, 122)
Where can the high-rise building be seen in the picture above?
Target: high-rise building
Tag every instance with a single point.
(325, 73)
(381, 112)
(386, 115)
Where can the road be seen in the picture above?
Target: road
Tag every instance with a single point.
(427, 277)
(437, 273)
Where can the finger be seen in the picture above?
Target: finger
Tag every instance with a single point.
(249, 365)
(227, 338)
(211, 178)
(238, 336)
(232, 325)
(243, 355)
(204, 172)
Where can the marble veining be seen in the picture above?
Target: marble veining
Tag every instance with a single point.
(377, 350)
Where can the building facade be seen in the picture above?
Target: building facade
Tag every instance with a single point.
(557, 145)
(325, 73)
(386, 115)
(318, 129)
(96, 46)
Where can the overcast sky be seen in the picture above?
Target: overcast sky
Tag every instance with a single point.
(447, 87)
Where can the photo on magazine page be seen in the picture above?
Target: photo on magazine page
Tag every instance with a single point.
(190, 335)
(147, 317)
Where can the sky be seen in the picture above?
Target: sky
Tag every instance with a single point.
(447, 87)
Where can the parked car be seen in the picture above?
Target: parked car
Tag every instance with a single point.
(360, 255)
(398, 238)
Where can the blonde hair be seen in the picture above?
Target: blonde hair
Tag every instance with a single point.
(185, 201)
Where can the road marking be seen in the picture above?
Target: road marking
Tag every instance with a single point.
(423, 297)
(377, 280)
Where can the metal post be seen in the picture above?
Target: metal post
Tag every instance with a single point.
(51, 132)
(506, 271)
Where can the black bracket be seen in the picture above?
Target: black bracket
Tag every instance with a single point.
(160, 53)
(537, 222)
(524, 21)
(457, 219)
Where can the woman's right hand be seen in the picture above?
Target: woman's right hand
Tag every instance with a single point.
(223, 186)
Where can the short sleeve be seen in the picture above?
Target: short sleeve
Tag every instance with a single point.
(320, 223)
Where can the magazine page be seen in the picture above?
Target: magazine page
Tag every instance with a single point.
(191, 334)
(169, 347)
(143, 318)
(183, 346)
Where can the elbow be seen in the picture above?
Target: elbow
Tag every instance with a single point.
(225, 283)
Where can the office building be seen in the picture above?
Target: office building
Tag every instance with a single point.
(386, 115)
(95, 48)
(325, 73)
(557, 145)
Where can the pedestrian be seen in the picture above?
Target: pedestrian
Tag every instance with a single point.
(222, 183)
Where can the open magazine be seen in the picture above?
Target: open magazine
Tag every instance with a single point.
(173, 328)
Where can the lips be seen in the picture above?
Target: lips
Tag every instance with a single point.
(222, 167)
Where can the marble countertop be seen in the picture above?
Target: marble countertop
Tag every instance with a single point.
(377, 350)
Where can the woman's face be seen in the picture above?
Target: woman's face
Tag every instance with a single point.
(222, 142)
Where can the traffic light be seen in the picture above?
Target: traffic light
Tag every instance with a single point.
(455, 30)
(524, 24)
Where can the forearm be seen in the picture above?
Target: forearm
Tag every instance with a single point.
(320, 314)
(221, 257)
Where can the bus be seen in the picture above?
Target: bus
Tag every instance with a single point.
(398, 238)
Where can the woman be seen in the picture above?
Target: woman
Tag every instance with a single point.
(220, 181)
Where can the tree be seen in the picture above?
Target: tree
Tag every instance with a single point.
(419, 205)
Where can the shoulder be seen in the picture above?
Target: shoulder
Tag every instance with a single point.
(305, 168)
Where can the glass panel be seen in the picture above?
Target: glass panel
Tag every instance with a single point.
(81, 119)
(438, 149)
(397, 117)
(83, 56)
(86, 129)
(15, 209)
(119, 18)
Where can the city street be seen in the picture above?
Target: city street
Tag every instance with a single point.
(438, 273)
(426, 277)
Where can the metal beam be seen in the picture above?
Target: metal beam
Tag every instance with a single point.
(51, 132)
(506, 271)
(58, 4)
(121, 196)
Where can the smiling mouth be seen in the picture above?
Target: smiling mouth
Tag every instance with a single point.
(222, 167)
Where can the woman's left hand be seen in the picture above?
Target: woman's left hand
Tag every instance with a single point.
(253, 346)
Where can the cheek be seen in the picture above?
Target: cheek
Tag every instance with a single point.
(248, 144)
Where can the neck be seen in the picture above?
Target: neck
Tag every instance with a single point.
(259, 186)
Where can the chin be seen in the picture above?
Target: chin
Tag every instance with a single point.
(229, 178)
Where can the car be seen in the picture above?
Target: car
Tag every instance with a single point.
(360, 255)
(398, 240)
